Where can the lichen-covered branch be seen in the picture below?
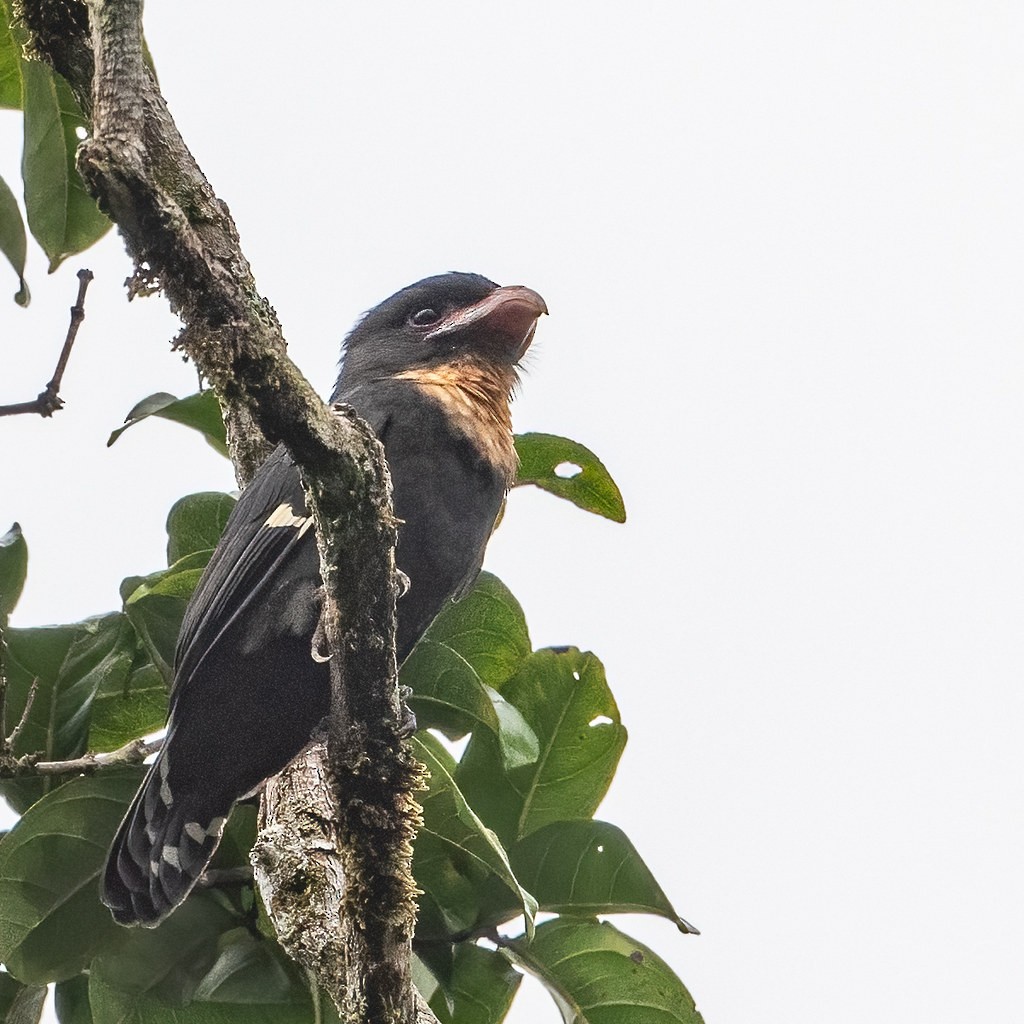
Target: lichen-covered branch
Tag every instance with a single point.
(376, 772)
(296, 861)
(182, 237)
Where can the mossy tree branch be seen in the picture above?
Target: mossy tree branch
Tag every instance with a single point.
(182, 237)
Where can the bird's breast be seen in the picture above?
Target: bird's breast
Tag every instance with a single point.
(475, 406)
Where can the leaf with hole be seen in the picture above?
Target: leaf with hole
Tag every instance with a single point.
(564, 697)
(200, 411)
(570, 471)
(583, 867)
(598, 975)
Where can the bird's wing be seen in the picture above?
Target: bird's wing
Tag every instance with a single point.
(268, 543)
(247, 694)
(266, 531)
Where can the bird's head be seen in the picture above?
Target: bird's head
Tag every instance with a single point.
(441, 321)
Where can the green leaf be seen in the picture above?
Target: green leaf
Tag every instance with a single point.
(13, 569)
(487, 629)
(201, 959)
(455, 853)
(598, 975)
(587, 867)
(12, 228)
(9, 987)
(571, 471)
(101, 656)
(69, 665)
(470, 650)
(447, 694)
(12, 238)
(565, 699)
(156, 605)
(125, 711)
(248, 969)
(33, 655)
(423, 978)
(196, 522)
(480, 989)
(200, 412)
(238, 839)
(71, 1000)
(10, 61)
(519, 743)
(164, 965)
(63, 217)
(51, 920)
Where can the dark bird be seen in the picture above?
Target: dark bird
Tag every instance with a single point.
(432, 370)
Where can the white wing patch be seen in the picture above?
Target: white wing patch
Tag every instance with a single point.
(165, 790)
(284, 515)
(195, 831)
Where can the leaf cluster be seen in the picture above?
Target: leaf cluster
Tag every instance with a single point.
(508, 829)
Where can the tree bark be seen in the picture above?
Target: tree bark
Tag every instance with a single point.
(353, 920)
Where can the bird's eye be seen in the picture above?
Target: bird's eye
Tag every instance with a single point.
(425, 317)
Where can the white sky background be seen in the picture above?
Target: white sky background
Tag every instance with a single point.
(782, 247)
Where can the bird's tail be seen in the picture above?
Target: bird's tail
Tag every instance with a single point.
(161, 848)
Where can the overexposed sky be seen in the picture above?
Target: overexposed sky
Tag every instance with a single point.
(782, 247)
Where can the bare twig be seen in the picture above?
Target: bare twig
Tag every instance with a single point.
(49, 401)
(7, 742)
(25, 712)
(134, 752)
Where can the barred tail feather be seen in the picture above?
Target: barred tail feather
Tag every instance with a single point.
(161, 849)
